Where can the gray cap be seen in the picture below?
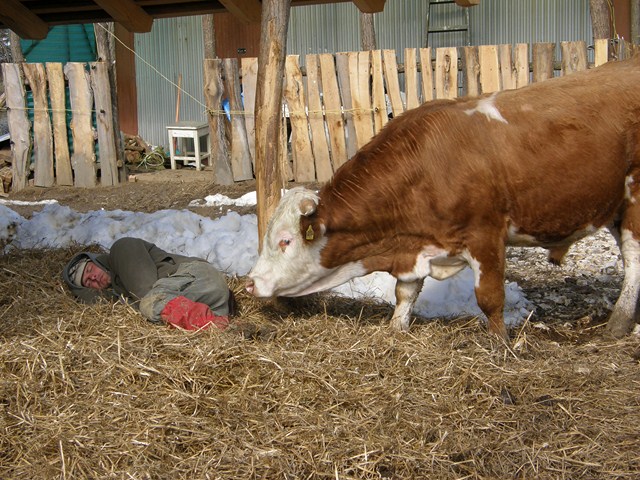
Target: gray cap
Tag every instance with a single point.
(72, 275)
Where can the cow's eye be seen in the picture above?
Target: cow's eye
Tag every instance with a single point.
(284, 243)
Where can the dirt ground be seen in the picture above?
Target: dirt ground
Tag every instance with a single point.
(150, 191)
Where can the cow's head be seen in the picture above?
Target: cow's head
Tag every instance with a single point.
(290, 262)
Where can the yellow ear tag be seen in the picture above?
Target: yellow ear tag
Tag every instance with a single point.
(309, 235)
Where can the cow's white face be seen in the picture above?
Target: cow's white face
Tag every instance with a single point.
(289, 264)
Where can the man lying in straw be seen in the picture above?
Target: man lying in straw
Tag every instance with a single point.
(185, 292)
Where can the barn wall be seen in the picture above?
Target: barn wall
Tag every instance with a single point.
(402, 24)
(175, 45)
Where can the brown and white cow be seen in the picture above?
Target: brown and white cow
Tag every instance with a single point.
(450, 183)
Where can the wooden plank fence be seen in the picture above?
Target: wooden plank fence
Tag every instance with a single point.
(342, 100)
(329, 111)
(43, 146)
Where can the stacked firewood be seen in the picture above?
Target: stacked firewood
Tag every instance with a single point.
(135, 149)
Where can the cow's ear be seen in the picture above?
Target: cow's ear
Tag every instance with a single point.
(307, 207)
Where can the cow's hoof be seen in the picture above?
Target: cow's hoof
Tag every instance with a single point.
(619, 326)
(398, 325)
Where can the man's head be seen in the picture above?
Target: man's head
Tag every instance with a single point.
(95, 277)
(86, 276)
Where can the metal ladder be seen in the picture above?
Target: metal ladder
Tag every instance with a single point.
(463, 27)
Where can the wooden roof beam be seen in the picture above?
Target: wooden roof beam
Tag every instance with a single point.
(248, 11)
(22, 21)
(370, 6)
(128, 14)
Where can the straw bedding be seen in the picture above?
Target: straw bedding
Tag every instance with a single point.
(314, 388)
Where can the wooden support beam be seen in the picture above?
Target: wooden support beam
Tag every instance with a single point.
(269, 181)
(22, 21)
(249, 11)
(128, 14)
(369, 6)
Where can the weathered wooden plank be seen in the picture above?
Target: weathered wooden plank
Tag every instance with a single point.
(249, 69)
(471, 70)
(601, 51)
(19, 125)
(83, 159)
(104, 124)
(57, 96)
(542, 61)
(378, 96)
(333, 110)
(342, 70)
(446, 72)
(411, 77)
(574, 56)
(489, 68)
(213, 91)
(301, 152)
(359, 76)
(319, 142)
(507, 69)
(240, 154)
(42, 141)
(391, 81)
(521, 64)
(426, 71)
(284, 159)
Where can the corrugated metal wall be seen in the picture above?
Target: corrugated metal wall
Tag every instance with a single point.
(402, 24)
(175, 45)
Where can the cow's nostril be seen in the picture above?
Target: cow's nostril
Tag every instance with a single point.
(249, 285)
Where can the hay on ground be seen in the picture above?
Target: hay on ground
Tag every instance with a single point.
(317, 388)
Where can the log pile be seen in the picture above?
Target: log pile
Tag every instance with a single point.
(135, 148)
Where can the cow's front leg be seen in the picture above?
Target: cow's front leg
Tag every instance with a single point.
(488, 268)
(406, 296)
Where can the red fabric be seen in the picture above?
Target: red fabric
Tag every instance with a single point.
(189, 315)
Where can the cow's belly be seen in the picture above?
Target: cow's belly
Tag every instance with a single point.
(517, 239)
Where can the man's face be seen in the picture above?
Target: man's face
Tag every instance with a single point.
(95, 277)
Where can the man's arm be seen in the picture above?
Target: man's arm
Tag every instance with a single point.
(132, 263)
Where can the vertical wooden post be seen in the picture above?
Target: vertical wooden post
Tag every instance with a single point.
(104, 124)
(379, 101)
(411, 78)
(57, 95)
(240, 154)
(332, 103)
(542, 61)
(208, 36)
(213, 90)
(446, 72)
(471, 65)
(574, 56)
(106, 48)
(249, 69)
(42, 141)
(301, 151)
(426, 70)
(83, 158)
(521, 64)
(275, 22)
(367, 32)
(18, 125)
(319, 144)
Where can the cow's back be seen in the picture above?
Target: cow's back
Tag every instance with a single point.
(551, 157)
